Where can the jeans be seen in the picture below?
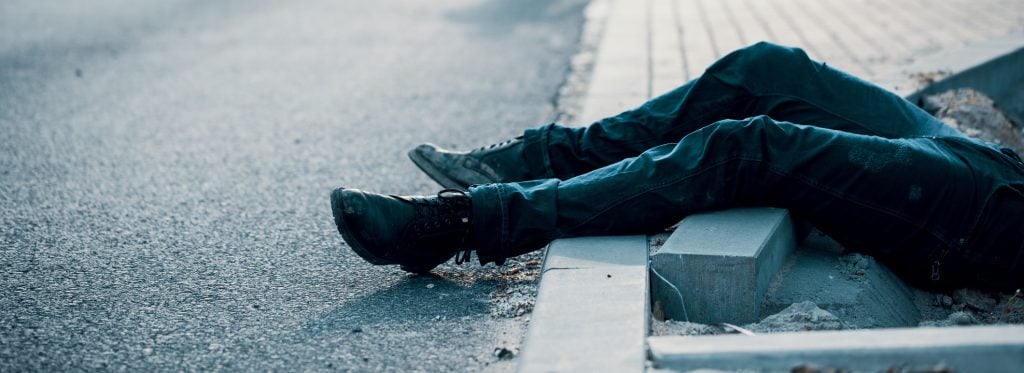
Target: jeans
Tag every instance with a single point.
(767, 126)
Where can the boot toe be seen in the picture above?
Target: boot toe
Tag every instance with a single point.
(390, 230)
(349, 207)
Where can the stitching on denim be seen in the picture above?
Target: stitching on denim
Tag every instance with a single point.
(701, 118)
(503, 232)
(545, 142)
(712, 74)
(654, 187)
(942, 238)
(557, 229)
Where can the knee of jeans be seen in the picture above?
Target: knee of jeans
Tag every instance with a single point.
(762, 57)
(744, 136)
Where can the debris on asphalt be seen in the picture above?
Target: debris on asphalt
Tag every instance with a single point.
(928, 77)
(516, 289)
(503, 353)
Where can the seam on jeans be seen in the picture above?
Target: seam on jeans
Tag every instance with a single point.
(557, 230)
(701, 118)
(940, 237)
(503, 232)
(545, 152)
(804, 100)
(655, 187)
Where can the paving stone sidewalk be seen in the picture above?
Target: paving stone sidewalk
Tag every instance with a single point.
(651, 46)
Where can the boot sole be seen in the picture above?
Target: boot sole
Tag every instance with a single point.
(338, 208)
(428, 168)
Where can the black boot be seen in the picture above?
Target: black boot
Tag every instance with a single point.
(498, 163)
(416, 232)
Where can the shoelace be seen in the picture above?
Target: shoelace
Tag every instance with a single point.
(446, 208)
(463, 253)
(492, 146)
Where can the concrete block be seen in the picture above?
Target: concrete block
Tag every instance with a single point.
(722, 262)
(963, 349)
(592, 309)
(857, 289)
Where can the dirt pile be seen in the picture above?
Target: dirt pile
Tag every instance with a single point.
(977, 116)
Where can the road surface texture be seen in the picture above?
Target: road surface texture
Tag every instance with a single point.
(165, 169)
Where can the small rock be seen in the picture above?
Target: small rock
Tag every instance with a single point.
(811, 368)
(962, 318)
(503, 353)
(862, 264)
(974, 299)
(945, 300)
(856, 263)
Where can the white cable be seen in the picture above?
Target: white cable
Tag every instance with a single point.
(674, 288)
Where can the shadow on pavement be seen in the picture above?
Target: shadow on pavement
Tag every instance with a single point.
(414, 298)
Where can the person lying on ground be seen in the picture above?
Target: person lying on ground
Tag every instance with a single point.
(763, 126)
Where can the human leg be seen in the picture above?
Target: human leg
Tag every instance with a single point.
(906, 201)
(763, 79)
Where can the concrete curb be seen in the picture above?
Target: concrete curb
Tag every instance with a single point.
(974, 349)
(592, 308)
(992, 67)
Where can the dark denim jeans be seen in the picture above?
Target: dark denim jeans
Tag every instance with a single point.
(767, 126)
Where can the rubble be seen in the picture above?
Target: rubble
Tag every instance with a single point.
(516, 289)
(976, 115)
(973, 299)
(801, 316)
(954, 319)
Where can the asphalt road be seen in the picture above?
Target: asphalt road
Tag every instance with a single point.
(165, 169)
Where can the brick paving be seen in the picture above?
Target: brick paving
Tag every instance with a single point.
(652, 46)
